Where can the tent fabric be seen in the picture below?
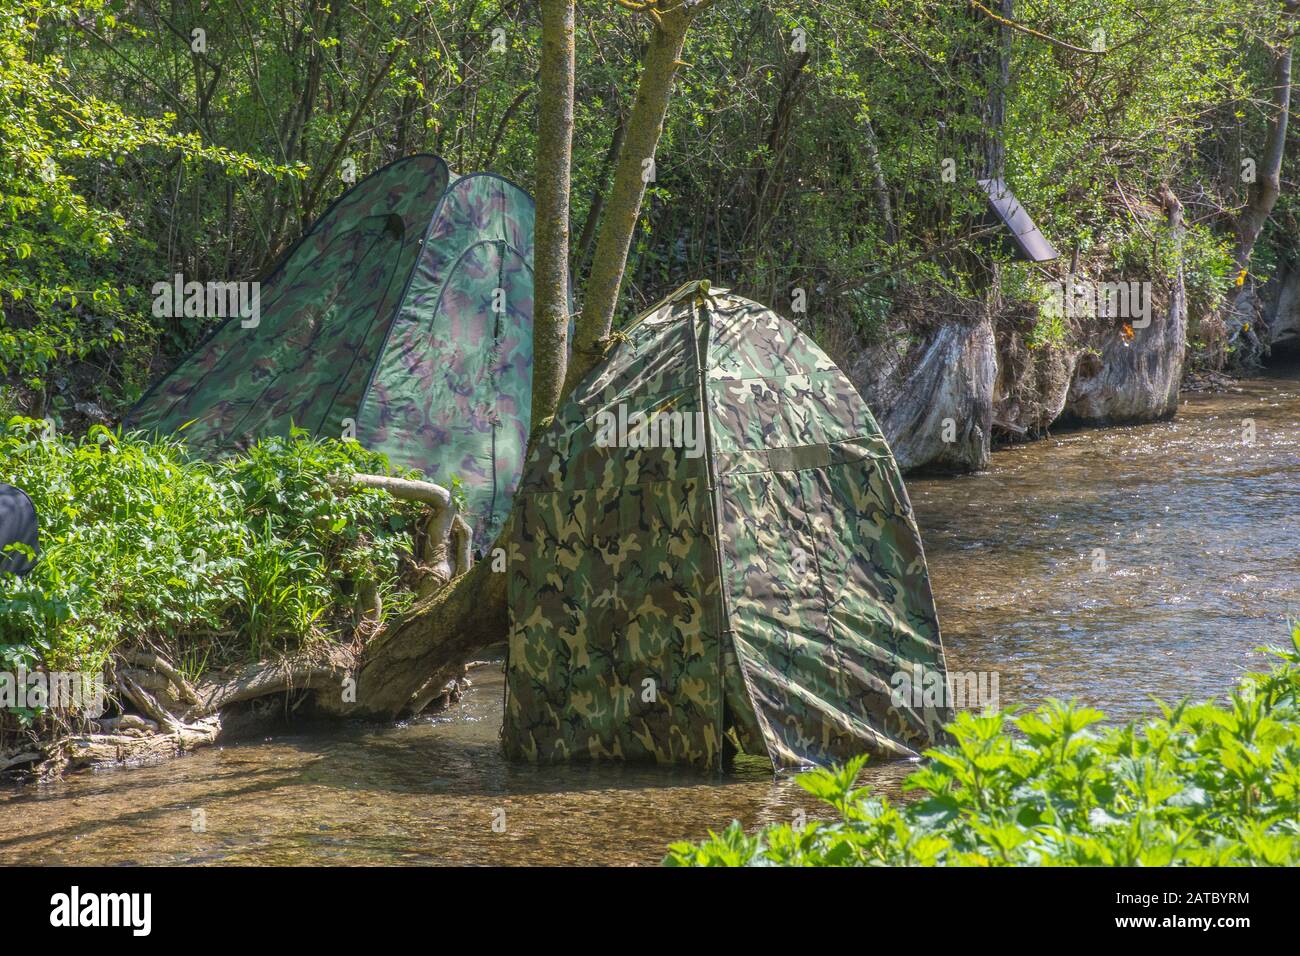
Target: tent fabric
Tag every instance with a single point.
(765, 591)
(456, 394)
(18, 525)
(403, 317)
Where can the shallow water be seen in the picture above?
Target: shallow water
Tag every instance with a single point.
(1198, 535)
(1200, 564)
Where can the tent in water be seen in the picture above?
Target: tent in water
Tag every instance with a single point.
(715, 545)
(402, 318)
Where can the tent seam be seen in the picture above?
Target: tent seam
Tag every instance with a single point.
(274, 273)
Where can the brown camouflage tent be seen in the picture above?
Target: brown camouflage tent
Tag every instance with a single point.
(403, 318)
(715, 551)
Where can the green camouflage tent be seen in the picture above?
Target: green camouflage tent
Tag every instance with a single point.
(715, 551)
(402, 318)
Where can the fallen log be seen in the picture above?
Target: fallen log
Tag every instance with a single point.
(261, 680)
(108, 750)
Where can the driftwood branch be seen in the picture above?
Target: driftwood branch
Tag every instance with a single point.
(152, 661)
(103, 750)
(444, 552)
(259, 680)
(370, 609)
(146, 703)
(462, 542)
(405, 489)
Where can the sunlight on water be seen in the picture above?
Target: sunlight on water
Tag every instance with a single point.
(1198, 536)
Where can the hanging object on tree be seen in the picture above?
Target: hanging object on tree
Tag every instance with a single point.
(1026, 242)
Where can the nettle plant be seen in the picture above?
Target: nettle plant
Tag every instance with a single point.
(254, 555)
(1207, 784)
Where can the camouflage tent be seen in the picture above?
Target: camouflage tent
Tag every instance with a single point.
(715, 551)
(402, 318)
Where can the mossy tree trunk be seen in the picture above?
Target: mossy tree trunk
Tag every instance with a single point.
(1268, 183)
(426, 648)
(551, 190)
(644, 127)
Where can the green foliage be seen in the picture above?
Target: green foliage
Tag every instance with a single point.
(253, 556)
(1207, 261)
(73, 267)
(1022, 283)
(1208, 784)
(126, 156)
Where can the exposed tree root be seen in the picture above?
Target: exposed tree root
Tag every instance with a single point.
(261, 680)
(18, 757)
(118, 749)
(430, 644)
(164, 713)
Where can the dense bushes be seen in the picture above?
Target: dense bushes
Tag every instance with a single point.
(75, 257)
(215, 562)
(1205, 785)
(805, 148)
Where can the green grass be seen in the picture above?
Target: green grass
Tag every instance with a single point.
(1206, 784)
(251, 557)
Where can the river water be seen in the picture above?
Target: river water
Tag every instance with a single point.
(1111, 566)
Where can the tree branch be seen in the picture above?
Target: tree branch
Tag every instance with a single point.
(1030, 31)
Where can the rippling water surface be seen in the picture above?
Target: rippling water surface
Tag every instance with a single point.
(1111, 566)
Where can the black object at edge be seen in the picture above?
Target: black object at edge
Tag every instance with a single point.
(18, 524)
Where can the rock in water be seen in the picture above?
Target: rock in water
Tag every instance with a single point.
(934, 398)
(1134, 375)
